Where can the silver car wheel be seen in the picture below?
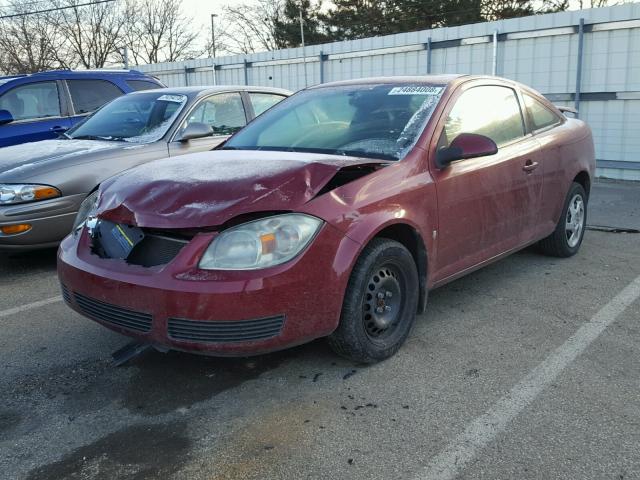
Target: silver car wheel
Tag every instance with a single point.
(575, 220)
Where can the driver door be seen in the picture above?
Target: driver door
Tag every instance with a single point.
(486, 205)
(223, 112)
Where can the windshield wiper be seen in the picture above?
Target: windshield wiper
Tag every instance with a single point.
(94, 137)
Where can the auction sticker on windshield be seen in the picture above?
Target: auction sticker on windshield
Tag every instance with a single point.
(416, 90)
(172, 98)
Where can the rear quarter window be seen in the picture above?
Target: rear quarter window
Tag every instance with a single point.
(139, 85)
(539, 114)
(264, 101)
(89, 95)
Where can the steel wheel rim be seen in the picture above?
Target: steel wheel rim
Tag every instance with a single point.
(574, 222)
(382, 303)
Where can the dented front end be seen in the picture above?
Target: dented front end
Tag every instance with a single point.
(136, 270)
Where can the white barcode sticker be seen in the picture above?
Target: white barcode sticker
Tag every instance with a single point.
(172, 98)
(415, 90)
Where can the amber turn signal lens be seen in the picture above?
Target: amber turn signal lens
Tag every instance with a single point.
(268, 241)
(14, 229)
(42, 193)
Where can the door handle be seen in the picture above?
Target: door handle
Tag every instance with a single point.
(530, 166)
(58, 129)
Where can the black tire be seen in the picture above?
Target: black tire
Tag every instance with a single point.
(559, 243)
(385, 268)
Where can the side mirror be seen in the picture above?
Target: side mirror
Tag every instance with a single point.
(466, 145)
(5, 117)
(195, 130)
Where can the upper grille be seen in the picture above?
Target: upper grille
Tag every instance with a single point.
(122, 317)
(150, 248)
(225, 331)
(155, 250)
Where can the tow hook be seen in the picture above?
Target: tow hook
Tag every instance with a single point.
(131, 351)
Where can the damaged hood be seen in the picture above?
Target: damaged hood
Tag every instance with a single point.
(207, 189)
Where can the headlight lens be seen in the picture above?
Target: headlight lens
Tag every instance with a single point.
(87, 209)
(261, 243)
(11, 194)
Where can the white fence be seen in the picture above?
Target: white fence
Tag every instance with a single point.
(587, 58)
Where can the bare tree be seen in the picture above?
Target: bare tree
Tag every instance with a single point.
(93, 33)
(598, 3)
(251, 26)
(160, 32)
(27, 42)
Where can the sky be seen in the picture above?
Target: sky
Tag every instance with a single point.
(201, 10)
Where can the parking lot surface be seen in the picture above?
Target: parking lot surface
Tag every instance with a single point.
(529, 368)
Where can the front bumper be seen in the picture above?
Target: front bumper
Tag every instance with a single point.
(226, 313)
(50, 220)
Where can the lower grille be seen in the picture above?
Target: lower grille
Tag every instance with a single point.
(65, 293)
(239, 331)
(121, 317)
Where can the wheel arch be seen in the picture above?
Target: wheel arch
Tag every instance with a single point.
(584, 179)
(409, 236)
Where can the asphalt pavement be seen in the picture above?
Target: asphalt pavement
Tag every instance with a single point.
(527, 369)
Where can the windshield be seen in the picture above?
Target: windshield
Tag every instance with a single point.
(378, 121)
(137, 118)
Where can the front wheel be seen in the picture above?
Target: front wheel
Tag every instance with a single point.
(380, 303)
(566, 239)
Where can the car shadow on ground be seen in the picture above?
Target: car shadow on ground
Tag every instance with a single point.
(164, 382)
(27, 263)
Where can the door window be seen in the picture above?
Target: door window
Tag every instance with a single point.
(492, 111)
(33, 101)
(223, 112)
(264, 101)
(89, 95)
(541, 116)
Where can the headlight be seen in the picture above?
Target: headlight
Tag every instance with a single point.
(261, 243)
(87, 209)
(10, 194)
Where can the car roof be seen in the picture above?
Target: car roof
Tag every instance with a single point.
(434, 79)
(80, 73)
(73, 74)
(203, 90)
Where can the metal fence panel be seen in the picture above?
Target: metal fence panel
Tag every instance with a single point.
(542, 51)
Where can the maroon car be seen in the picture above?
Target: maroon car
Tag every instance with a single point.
(333, 214)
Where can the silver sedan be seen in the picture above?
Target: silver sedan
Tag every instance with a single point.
(43, 184)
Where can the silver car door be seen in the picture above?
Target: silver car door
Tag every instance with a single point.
(223, 112)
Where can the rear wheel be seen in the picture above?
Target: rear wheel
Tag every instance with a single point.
(380, 303)
(566, 239)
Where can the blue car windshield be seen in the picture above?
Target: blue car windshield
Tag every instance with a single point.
(136, 118)
(375, 120)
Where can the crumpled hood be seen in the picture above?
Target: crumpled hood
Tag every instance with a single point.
(207, 189)
(29, 157)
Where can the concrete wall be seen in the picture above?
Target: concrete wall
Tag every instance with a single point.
(541, 51)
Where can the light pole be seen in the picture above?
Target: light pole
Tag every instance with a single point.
(213, 35)
(304, 57)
